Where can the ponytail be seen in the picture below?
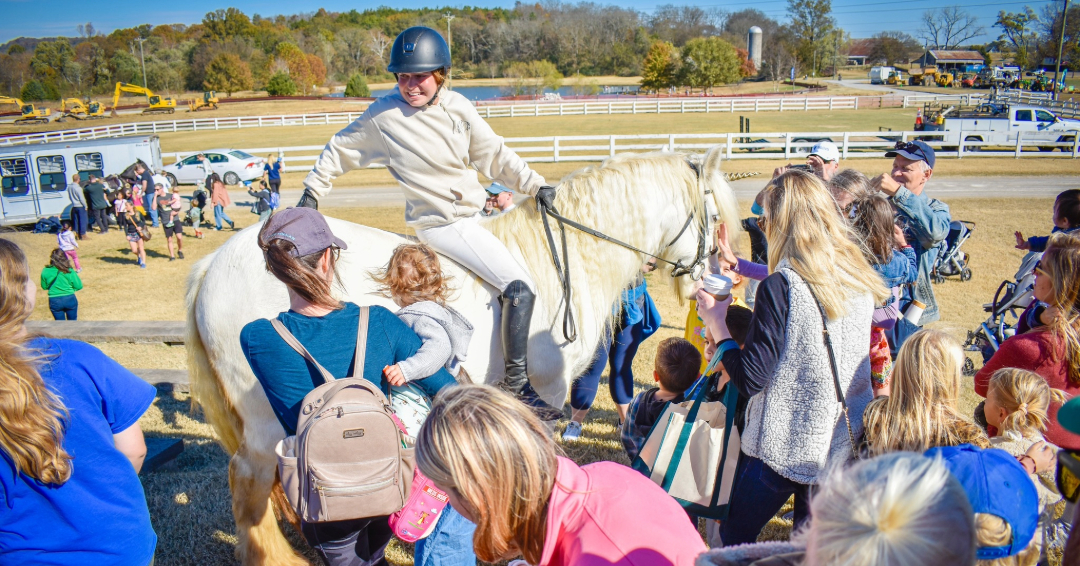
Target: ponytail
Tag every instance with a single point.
(32, 418)
(1026, 398)
(300, 274)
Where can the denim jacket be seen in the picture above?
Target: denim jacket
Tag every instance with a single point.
(927, 226)
(902, 269)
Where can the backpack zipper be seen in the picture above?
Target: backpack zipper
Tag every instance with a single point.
(328, 490)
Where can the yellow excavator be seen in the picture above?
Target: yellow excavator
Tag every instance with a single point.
(209, 101)
(157, 102)
(30, 114)
(77, 109)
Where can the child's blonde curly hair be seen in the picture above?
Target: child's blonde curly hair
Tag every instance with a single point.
(413, 274)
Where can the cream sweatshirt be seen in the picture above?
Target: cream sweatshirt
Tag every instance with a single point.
(433, 152)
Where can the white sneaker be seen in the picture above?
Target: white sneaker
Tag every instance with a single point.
(572, 432)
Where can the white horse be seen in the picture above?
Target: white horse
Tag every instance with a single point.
(662, 203)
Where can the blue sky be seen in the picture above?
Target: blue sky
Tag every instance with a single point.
(37, 18)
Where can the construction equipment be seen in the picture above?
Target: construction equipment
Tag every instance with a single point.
(30, 114)
(945, 79)
(895, 77)
(967, 80)
(157, 103)
(77, 109)
(209, 101)
(927, 77)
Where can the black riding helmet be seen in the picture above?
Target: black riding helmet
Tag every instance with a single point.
(419, 50)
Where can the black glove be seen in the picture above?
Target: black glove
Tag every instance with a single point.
(546, 196)
(308, 200)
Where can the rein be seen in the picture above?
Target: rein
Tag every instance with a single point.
(562, 268)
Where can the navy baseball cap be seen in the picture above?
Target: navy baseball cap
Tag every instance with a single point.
(496, 188)
(305, 227)
(996, 484)
(915, 151)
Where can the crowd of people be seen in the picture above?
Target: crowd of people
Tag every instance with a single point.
(844, 402)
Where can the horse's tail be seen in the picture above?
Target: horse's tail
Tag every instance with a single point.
(206, 386)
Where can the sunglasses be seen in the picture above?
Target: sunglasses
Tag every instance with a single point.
(909, 147)
(1068, 475)
(1039, 269)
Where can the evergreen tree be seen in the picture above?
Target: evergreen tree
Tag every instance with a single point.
(357, 86)
(281, 84)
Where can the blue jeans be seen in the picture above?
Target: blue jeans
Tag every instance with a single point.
(449, 544)
(79, 220)
(64, 308)
(618, 355)
(219, 215)
(756, 496)
(900, 333)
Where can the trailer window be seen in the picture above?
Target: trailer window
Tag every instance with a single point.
(87, 163)
(52, 170)
(1023, 115)
(14, 179)
(1043, 116)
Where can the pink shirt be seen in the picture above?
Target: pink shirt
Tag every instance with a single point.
(606, 514)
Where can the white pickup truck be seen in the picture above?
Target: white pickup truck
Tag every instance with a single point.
(999, 125)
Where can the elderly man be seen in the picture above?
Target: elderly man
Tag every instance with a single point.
(926, 224)
(500, 199)
(824, 159)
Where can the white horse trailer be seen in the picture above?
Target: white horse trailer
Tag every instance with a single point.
(35, 177)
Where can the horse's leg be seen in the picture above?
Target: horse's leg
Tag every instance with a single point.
(251, 478)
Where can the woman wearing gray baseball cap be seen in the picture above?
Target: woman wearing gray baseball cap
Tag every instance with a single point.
(302, 252)
(434, 142)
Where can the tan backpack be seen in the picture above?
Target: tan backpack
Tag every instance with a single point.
(348, 459)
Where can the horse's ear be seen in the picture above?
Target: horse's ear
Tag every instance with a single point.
(710, 163)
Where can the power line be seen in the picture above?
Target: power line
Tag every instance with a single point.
(908, 9)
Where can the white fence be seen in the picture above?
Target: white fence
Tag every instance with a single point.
(783, 145)
(647, 106)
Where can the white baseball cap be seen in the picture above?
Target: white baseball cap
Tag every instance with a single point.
(826, 150)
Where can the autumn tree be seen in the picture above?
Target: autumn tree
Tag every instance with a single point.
(892, 47)
(226, 24)
(709, 61)
(533, 77)
(813, 27)
(296, 64)
(228, 73)
(661, 67)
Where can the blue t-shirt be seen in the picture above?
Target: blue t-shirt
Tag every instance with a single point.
(99, 515)
(273, 171)
(331, 339)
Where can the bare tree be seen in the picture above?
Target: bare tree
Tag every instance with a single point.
(377, 43)
(949, 27)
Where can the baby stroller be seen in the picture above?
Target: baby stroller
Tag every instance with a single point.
(952, 260)
(1010, 301)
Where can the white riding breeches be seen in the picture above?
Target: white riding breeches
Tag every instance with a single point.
(478, 250)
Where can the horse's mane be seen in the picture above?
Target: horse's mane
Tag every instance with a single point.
(620, 197)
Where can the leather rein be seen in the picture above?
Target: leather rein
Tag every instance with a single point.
(562, 267)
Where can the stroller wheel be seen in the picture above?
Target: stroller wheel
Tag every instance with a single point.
(965, 275)
(939, 279)
(969, 366)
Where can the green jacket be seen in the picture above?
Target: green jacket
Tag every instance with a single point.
(60, 284)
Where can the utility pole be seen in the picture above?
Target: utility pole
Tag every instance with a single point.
(449, 48)
(1061, 43)
(143, 59)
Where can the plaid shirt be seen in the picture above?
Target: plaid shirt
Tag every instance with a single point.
(641, 416)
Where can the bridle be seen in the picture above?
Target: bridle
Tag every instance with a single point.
(678, 269)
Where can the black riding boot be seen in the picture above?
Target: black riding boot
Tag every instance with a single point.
(517, 306)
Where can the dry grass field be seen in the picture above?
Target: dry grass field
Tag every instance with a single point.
(189, 499)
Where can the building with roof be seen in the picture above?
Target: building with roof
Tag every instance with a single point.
(859, 51)
(949, 60)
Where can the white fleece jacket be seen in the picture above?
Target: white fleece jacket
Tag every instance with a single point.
(433, 152)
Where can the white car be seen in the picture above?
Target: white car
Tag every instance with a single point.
(232, 165)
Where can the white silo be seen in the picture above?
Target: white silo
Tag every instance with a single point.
(753, 46)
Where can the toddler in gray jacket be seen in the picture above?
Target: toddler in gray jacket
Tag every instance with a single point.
(413, 280)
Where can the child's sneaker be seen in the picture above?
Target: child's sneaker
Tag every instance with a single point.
(572, 432)
(142, 264)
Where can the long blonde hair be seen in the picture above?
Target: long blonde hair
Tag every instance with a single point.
(993, 531)
(922, 410)
(1026, 397)
(32, 419)
(896, 509)
(500, 459)
(1061, 262)
(802, 227)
